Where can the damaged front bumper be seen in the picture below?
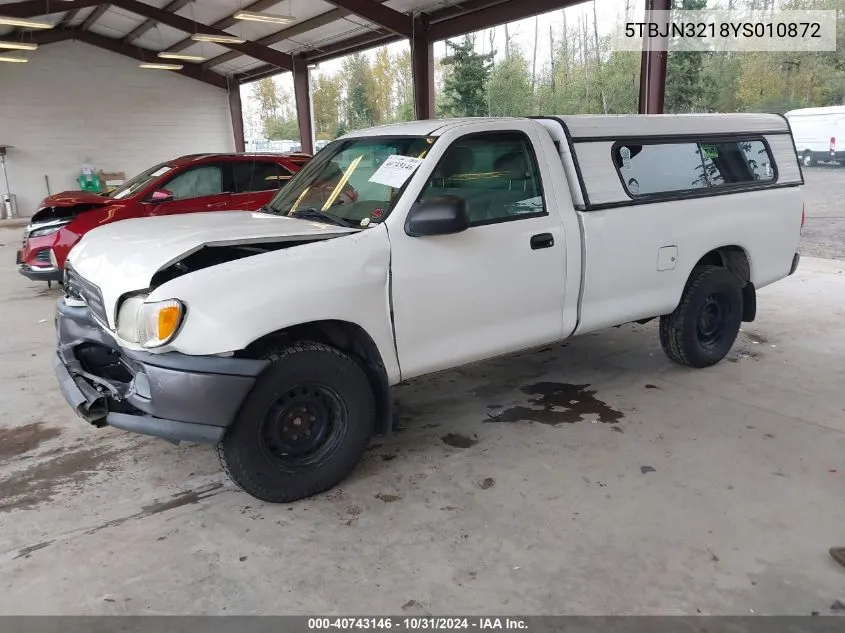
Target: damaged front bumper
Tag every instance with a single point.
(170, 395)
(40, 273)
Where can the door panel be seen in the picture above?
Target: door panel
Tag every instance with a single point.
(495, 288)
(202, 188)
(256, 182)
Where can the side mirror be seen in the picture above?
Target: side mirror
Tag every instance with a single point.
(442, 215)
(161, 195)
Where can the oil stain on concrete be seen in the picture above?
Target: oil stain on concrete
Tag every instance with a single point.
(178, 500)
(486, 483)
(458, 441)
(188, 497)
(558, 403)
(23, 439)
(25, 552)
(41, 482)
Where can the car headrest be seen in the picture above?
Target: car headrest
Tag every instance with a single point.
(513, 165)
(458, 160)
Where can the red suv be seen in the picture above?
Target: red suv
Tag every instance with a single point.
(200, 182)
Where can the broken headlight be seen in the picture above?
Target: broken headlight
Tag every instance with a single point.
(46, 229)
(149, 324)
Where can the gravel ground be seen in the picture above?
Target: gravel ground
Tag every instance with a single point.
(824, 230)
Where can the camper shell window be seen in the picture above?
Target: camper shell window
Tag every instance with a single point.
(663, 169)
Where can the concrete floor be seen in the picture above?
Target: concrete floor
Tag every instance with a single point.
(661, 490)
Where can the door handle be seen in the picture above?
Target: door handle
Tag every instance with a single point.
(542, 240)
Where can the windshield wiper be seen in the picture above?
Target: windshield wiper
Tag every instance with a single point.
(267, 209)
(322, 216)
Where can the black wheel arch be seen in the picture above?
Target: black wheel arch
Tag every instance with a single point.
(347, 337)
(735, 259)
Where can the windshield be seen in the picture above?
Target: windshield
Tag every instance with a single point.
(342, 185)
(140, 181)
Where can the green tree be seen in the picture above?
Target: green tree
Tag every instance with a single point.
(326, 103)
(510, 89)
(621, 82)
(382, 97)
(269, 104)
(720, 75)
(279, 129)
(264, 91)
(685, 89)
(403, 87)
(359, 88)
(339, 130)
(465, 83)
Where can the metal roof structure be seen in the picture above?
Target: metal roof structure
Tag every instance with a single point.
(320, 30)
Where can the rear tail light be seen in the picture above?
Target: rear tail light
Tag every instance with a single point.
(832, 145)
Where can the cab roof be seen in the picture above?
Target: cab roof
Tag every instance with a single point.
(426, 127)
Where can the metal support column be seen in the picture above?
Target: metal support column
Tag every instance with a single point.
(236, 110)
(653, 65)
(302, 94)
(422, 66)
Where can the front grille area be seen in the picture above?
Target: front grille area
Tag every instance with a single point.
(79, 288)
(43, 256)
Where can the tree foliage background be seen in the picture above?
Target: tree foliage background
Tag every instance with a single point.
(582, 75)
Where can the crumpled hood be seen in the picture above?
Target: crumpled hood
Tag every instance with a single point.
(66, 205)
(72, 198)
(123, 256)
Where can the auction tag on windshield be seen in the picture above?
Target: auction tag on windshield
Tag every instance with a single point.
(395, 170)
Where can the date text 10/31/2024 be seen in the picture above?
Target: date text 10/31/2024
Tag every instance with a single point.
(418, 623)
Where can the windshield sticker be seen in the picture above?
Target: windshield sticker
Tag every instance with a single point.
(395, 170)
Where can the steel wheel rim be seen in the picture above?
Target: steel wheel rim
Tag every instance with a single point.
(303, 427)
(713, 319)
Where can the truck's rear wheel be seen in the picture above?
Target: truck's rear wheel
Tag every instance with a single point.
(702, 329)
(303, 427)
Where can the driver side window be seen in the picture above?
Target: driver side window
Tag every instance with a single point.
(206, 180)
(496, 173)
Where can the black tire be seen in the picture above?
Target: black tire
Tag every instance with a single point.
(807, 159)
(308, 384)
(702, 329)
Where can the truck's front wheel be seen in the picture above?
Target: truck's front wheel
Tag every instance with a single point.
(303, 427)
(702, 329)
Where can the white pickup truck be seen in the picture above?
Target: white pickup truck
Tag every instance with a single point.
(415, 248)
